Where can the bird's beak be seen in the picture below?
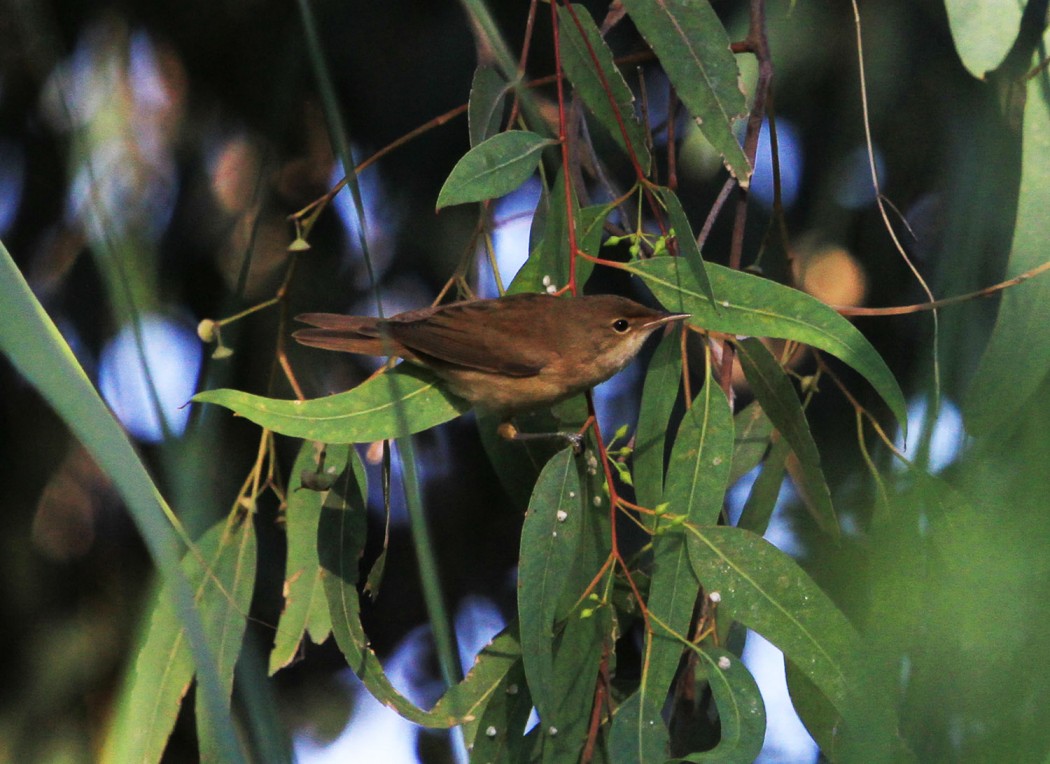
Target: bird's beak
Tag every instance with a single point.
(666, 319)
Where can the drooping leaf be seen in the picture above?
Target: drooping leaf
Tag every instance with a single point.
(222, 577)
(488, 91)
(687, 246)
(698, 473)
(305, 606)
(549, 540)
(753, 430)
(498, 735)
(493, 168)
(659, 392)
(768, 592)
(1017, 358)
(225, 616)
(589, 65)
(693, 47)
(341, 534)
(578, 653)
(340, 542)
(762, 500)
(741, 712)
(775, 392)
(695, 487)
(749, 305)
(367, 413)
(638, 732)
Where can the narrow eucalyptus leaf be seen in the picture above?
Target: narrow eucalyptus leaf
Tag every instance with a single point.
(367, 413)
(493, 168)
(693, 47)
(753, 306)
(774, 391)
(589, 65)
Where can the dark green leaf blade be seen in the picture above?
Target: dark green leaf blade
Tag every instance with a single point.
(749, 305)
(693, 47)
(362, 415)
(758, 509)
(589, 65)
(768, 592)
(659, 392)
(493, 168)
(753, 430)
(741, 712)
(488, 91)
(548, 545)
(775, 392)
(687, 246)
(702, 455)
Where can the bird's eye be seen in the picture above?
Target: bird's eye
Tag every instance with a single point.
(621, 325)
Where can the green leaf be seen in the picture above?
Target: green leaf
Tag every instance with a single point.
(493, 168)
(817, 714)
(549, 539)
(341, 534)
(693, 49)
(548, 262)
(225, 611)
(753, 430)
(488, 91)
(362, 415)
(775, 392)
(222, 577)
(762, 500)
(983, 31)
(696, 485)
(638, 735)
(32, 342)
(659, 392)
(1017, 358)
(497, 677)
(687, 247)
(578, 653)
(698, 472)
(589, 65)
(768, 592)
(749, 305)
(741, 712)
(499, 734)
(305, 606)
(340, 543)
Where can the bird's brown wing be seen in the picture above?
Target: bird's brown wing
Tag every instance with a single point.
(450, 334)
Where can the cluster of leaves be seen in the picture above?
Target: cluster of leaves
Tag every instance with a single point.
(574, 601)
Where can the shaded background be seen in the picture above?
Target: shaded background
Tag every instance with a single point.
(196, 129)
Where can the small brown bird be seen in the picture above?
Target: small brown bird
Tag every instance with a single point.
(507, 355)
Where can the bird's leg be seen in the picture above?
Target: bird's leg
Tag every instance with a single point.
(508, 431)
